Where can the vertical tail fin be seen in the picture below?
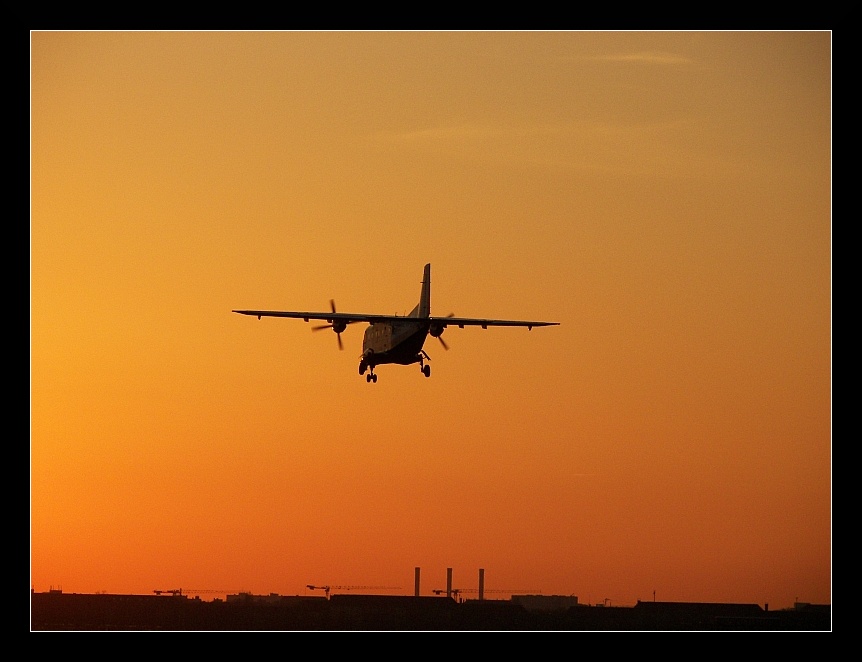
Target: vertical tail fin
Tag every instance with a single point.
(423, 308)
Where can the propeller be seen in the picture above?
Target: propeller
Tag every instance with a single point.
(338, 326)
(439, 336)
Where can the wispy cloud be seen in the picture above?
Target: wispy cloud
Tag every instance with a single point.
(645, 57)
(655, 148)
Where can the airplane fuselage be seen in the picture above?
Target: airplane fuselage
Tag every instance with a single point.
(393, 342)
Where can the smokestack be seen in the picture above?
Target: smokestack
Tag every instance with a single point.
(417, 582)
(481, 583)
(448, 582)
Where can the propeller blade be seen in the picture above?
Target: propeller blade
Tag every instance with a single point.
(440, 338)
(320, 327)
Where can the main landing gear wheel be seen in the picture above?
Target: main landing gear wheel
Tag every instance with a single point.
(426, 369)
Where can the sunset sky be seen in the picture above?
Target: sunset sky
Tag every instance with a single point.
(664, 196)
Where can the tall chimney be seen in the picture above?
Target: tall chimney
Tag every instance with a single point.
(416, 593)
(481, 583)
(448, 582)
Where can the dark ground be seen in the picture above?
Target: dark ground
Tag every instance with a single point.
(57, 611)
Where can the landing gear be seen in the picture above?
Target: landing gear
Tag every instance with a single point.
(370, 377)
(426, 369)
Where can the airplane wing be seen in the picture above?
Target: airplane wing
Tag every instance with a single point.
(352, 318)
(348, 318)
(461, 322)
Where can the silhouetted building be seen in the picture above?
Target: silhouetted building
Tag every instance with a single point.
(545, 602)
(391, 612)
(57, 611)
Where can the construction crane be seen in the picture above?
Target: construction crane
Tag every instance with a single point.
(327, 589)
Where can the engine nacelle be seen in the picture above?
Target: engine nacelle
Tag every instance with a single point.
(339, 326)
(436, 330)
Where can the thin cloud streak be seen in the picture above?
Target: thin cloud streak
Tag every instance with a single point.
(595, 146)
(644, 57)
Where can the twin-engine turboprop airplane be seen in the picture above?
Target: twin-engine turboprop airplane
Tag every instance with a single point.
(394, 338)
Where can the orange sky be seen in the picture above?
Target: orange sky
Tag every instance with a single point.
(666, 197)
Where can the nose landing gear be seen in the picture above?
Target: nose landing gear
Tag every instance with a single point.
(370, 377)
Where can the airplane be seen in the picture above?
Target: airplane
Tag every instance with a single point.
(394, 339)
